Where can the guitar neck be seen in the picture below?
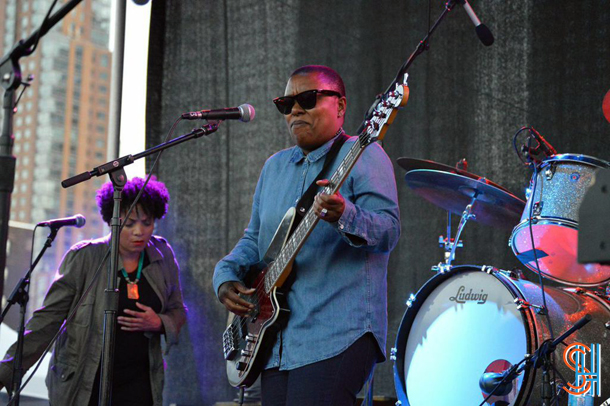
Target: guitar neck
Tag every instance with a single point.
(289, 251)
(378, 120)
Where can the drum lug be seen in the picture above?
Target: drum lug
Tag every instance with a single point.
(398, 403)
(580, 291)
(441, 268)
(522, 304)
(410, 300)
(393, 353)
(488, 269)
(607, 325)
(516, 273)
(537, 210)
(550, 171)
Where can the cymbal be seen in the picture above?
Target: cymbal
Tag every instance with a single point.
(412, 163)
(493, 205)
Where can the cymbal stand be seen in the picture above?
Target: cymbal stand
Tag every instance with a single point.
(452, 244)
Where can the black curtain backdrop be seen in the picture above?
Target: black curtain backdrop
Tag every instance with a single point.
(549, 68)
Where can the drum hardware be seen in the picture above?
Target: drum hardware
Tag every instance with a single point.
(410, 300)
(452, 244)
(550, 171)
(537, 210)
(540, 359)
(522, 304)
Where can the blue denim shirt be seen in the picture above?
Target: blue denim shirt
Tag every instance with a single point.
(340, 289)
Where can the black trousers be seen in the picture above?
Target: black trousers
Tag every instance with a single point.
(332, 382)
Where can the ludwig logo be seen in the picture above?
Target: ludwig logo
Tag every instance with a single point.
(462, 296)
(587, 374)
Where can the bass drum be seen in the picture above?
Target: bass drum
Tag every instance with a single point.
(475, 319)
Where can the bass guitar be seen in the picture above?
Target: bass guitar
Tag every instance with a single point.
(247, 340)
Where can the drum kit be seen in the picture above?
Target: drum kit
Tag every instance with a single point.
(468, 323)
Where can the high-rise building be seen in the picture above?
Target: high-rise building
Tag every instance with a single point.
(61, 124)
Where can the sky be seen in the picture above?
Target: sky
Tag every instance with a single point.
(133, 109)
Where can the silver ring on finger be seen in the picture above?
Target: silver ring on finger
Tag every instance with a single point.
(323, 212)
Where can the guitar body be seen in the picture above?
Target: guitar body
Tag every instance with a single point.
(247, 341)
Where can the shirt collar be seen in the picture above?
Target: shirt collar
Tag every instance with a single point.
(316, 154)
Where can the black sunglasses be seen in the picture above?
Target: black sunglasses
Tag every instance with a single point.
(307, 100)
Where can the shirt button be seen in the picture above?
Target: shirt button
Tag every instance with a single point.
(341, 226)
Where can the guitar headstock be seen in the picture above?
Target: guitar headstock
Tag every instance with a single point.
(384, 113)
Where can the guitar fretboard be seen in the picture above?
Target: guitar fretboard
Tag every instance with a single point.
(309, 221)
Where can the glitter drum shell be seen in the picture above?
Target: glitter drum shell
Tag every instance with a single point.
(562, 181)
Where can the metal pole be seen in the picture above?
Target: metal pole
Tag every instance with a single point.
(116, 84)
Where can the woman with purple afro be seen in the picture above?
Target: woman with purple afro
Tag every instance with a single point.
(150, 308)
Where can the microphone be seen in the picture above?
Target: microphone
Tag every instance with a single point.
(490, 380)
(77, 221)
(542, 151)
(483, 32)
(244, 113)
(544, 145)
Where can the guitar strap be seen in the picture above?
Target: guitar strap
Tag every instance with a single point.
(307, 199)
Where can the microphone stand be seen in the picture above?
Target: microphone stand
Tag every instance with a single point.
(10, 79)
(111, 295)
(20, 295)
(423, 45)
(541, 359)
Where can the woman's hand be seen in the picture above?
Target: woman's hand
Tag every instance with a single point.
(146, 320)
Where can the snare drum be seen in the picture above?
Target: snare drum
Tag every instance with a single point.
(466, 322)
(561, 185)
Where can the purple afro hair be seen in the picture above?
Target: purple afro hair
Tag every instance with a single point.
(154, 199)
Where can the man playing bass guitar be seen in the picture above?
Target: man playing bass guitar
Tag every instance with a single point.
(325, 350)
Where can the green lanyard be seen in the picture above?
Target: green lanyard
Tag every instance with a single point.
(139, 271)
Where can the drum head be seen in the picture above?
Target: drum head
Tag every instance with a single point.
(468, 324)
(556, 248)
